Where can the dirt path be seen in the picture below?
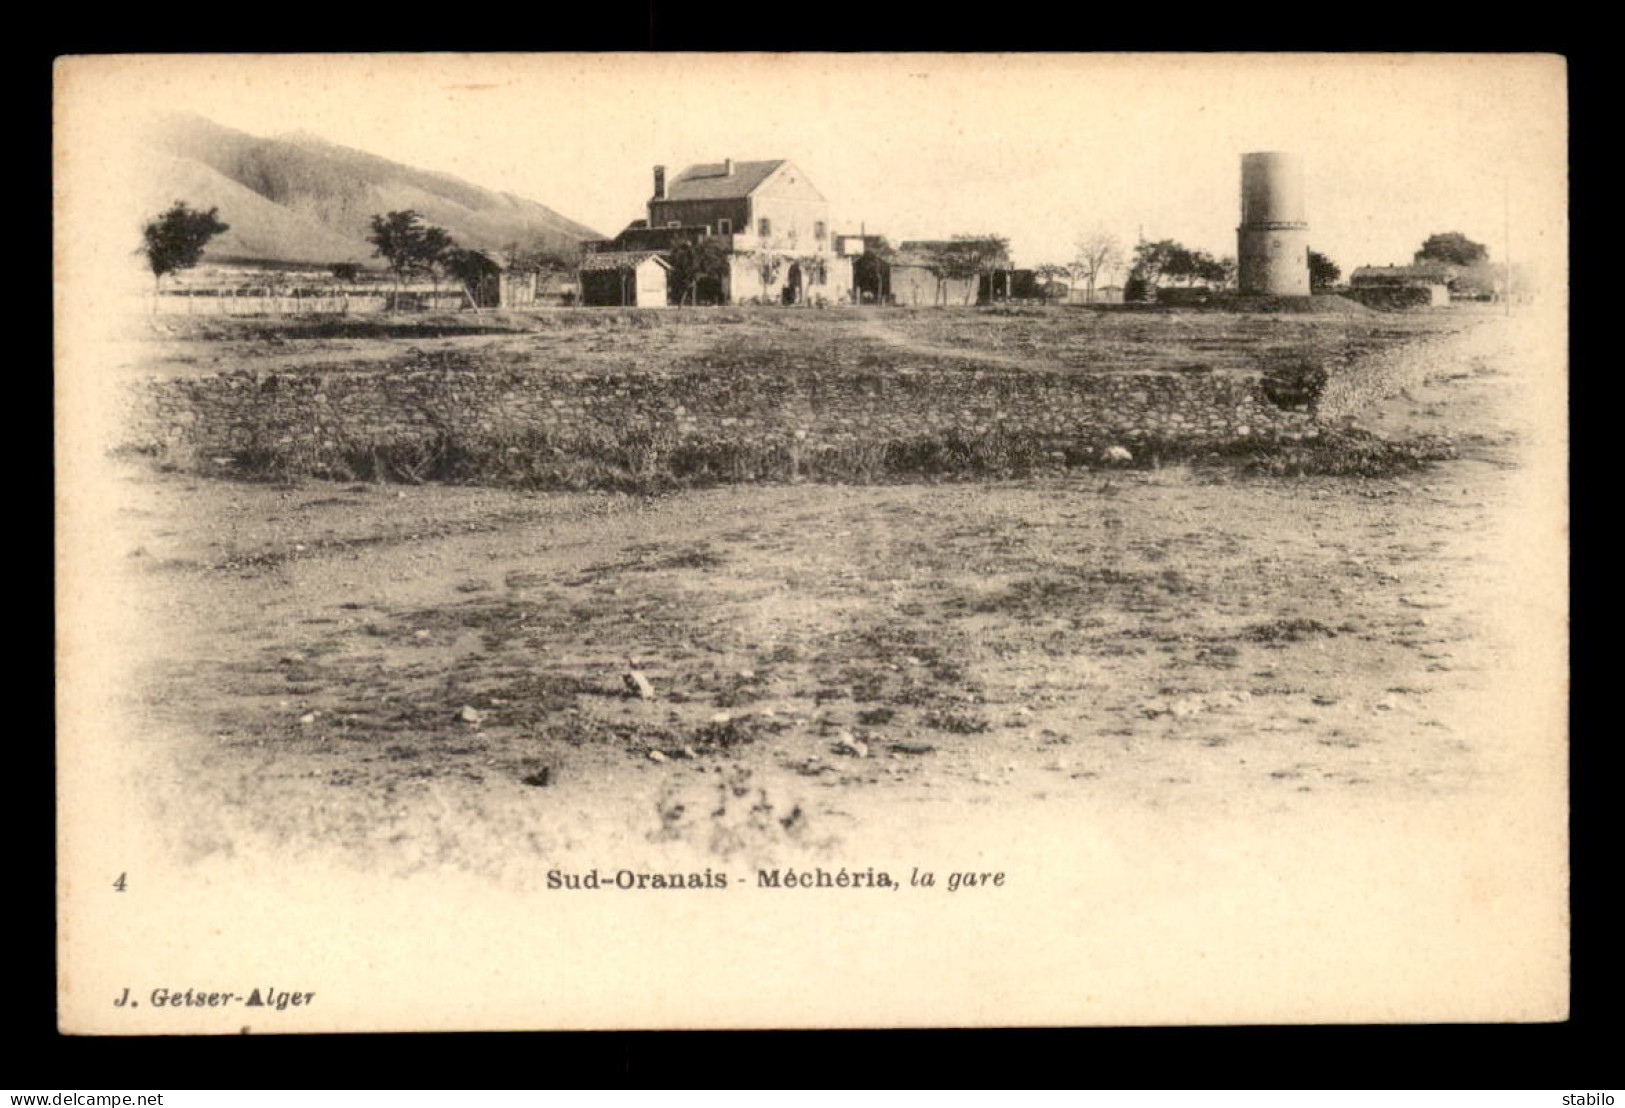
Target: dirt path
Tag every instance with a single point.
(872, 323)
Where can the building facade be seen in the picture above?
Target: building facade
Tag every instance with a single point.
(772, 221)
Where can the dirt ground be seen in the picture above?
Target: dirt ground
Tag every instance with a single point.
(786, 340)
(428, 678)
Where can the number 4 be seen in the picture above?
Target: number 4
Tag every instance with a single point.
(120, 883)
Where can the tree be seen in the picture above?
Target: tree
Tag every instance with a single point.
(347, 272)
(436, 248)
(1323, 272)
(396, 238)
(967, 256)
(1154, 259)
(175, 240)
(946, 264)
(1098, 253)
(1212, 272)
(468, 268)
(869, 270)
(402, 240)
(1180, 263)
(986, 252)
(1050, 277)
(767, 265)
(537, 257)
(693, 263)
(1453, 248)
(1155, 262)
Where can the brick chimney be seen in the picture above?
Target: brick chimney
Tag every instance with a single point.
(660, 182)
(727, 167)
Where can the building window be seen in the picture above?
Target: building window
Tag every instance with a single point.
(819, 231)
(725, 226)
(764, 227)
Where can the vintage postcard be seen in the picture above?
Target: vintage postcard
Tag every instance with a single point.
(803, 541)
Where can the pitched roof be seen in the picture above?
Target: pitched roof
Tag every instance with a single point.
(927, 251)
(928, 245)
(621, 259)
(1401, 272)
(707, 182)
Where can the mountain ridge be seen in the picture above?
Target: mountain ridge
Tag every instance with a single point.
(313, 199)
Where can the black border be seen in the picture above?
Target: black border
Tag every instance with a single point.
(1577, 1054)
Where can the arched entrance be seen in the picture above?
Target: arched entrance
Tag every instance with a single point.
(792, 284)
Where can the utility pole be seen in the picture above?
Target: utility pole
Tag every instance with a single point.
(1506, 239)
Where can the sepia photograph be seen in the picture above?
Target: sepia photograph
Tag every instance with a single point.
(693, 541)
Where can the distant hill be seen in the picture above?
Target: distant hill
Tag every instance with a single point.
(298, 198)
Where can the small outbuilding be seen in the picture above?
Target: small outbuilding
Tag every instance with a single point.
(912, 278)
(624, 279)
(1435, 281)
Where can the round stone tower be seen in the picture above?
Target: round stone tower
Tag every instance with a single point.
(1272, 251)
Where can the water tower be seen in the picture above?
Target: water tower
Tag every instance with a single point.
(1272, 251)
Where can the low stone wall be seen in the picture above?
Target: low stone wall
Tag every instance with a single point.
(314, 413)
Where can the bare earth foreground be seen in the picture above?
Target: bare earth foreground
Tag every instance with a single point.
(1263, 727)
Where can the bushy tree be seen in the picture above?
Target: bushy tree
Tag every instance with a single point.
(1453, 248)
(693, 263)
(1323, 272)
(967, 256)
(1153, 259)
(1213, 272)
(175, 240)
(1166, 259)
(467, 267)
(1180, 263)
(396, 238)
(348, 272)
(1051, 280)
(438, 248)
(408, 245)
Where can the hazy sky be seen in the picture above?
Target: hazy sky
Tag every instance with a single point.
(1035, 147)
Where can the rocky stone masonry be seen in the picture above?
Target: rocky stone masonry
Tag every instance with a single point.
(320, 412)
